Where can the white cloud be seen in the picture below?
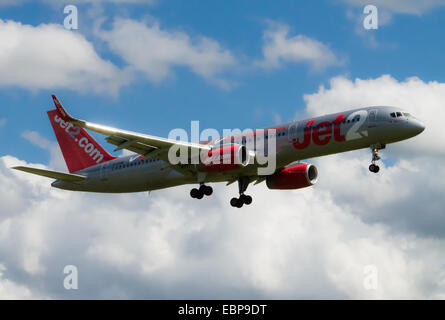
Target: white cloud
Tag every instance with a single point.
(156, 52)
(57, 162)
(406, 195)
(280, 48)
(48, 57)
(400, 6)
(369, 36)
(422, 99)
(386, 9)
(287, 244)
(11, 291)
(310, 243)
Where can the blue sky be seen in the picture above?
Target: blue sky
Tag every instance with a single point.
(155, 65)
(409, 45)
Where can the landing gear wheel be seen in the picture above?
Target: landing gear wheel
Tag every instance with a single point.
(194, 193)
(208, 190)
(374, 168)
(243, 182)
(375, 157)
(245, 199)
(235, 202)
(201, 192)
(200, 195)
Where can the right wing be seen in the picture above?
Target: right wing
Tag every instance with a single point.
(52, 174)
(145, 145)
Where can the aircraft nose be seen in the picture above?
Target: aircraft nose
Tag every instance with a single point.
(417, 126)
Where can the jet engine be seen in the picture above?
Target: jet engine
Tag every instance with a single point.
(226, 158)
(295, 177)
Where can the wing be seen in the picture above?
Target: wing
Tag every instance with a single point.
(52, 174)
(143, 144)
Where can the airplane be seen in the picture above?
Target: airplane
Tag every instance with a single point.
(93, 169)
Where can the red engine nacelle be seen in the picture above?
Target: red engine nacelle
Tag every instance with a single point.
(296, 177)
(226, 158)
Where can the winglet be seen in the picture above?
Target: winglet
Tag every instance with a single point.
(61, 109)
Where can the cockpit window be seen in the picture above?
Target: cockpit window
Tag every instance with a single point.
(406, 114)
(399, 114)
(393, 114)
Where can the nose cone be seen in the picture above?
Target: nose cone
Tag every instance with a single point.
(416, 127)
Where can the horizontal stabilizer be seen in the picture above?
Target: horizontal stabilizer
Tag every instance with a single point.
(52, 174)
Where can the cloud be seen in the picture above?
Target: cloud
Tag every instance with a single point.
(309, 243)
(279, 48)
(369, 36)
(400, 6)
(156, 52)
(398, 196)
(386, 9)
(11, 291)
(56, 160)
(48, 57)
(422, 99)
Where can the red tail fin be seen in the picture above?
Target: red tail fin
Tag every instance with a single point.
(79, 149)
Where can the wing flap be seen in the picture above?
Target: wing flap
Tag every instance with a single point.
(52, 174)
(131, 145)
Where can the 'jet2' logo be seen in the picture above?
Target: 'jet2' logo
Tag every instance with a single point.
(321, 134)
(83, 142)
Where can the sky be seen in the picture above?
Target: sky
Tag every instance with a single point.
(154, 65)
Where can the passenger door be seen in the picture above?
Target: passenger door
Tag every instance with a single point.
(103, 169)
(372, 118)
(292, 130)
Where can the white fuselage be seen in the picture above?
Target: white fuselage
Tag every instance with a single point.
(297, 140)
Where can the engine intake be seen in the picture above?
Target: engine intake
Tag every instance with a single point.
(295, 177)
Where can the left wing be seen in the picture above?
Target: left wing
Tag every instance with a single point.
(146, 145)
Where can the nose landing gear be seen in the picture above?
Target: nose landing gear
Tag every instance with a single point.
(201, 192)
(375, 157)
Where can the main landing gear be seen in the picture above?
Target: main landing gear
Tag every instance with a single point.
(243, 182)
(375, 157)
(201, 192)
